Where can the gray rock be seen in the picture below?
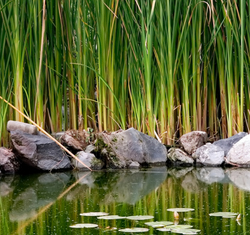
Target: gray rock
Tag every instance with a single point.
(134, 165)
(119, 148)
(209, 155)
(39, 152)
(179, 157)
(58, 135)
(9, 164)
(227, 144)
(193, 140)
(239, 154)
(210, 175)
(90, 148)
(24, 127)
(89, 160)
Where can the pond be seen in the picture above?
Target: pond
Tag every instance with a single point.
(49, 203)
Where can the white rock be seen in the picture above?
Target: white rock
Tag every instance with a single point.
(239, 154)
(21, 126)
(209, 155)
(89, 160)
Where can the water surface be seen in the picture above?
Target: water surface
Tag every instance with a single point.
(45, 204)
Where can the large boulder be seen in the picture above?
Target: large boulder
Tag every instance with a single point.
(9, 164)
(209, 155)
(89, 160)
(193, 140)
(239, 154)
(227, 144)
(179, 157)
(39, 152)
(119, 149)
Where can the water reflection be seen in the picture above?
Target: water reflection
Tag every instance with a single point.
(240, 177)
(35, 192)
(56, 200)
(122, 186)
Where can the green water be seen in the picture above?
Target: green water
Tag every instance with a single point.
(49, 203)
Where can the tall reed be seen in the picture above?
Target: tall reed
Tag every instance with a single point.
(163, 67)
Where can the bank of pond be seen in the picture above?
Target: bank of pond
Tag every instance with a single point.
(32, 150)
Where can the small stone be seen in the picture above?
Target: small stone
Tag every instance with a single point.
(134, 165)
(89, 160)
(21, 126)
(179, 157)
(193, 140)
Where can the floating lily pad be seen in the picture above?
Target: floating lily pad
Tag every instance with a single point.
(94, 214)
(224, 214)
(179, 226)
(140, 217)
(186, 231)
(164, 229)
(134, 230)
(159, 224)
(111, 217)
(180, 209)
(84, 226)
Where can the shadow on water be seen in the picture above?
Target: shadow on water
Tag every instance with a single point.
(42, 203)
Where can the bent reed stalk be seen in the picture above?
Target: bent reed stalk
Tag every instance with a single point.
(166, 67)
(45, 132)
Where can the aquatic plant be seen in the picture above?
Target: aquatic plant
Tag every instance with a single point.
(163, 67)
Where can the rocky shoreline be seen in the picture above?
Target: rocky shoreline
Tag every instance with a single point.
(124, 149)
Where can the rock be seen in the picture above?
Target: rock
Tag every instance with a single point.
(9, 164)
(134, 165)
(210, 175)
(119, 148)
(58, 135)
(209, 155)
(75, 140)
(193, 140)
(39, 152)
(90, 148)
(25, 127)
(89, 160)
(227, 144)
(179, 157)
(239, 154)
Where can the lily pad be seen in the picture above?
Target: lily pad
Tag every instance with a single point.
(159, 224)
(84, 226)
(140, 217)
(180, 209)
(179, 226)
(224, 214)
(111, 217)
(164, 229)
(134, 230)
(94, 214)
(186, 231)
